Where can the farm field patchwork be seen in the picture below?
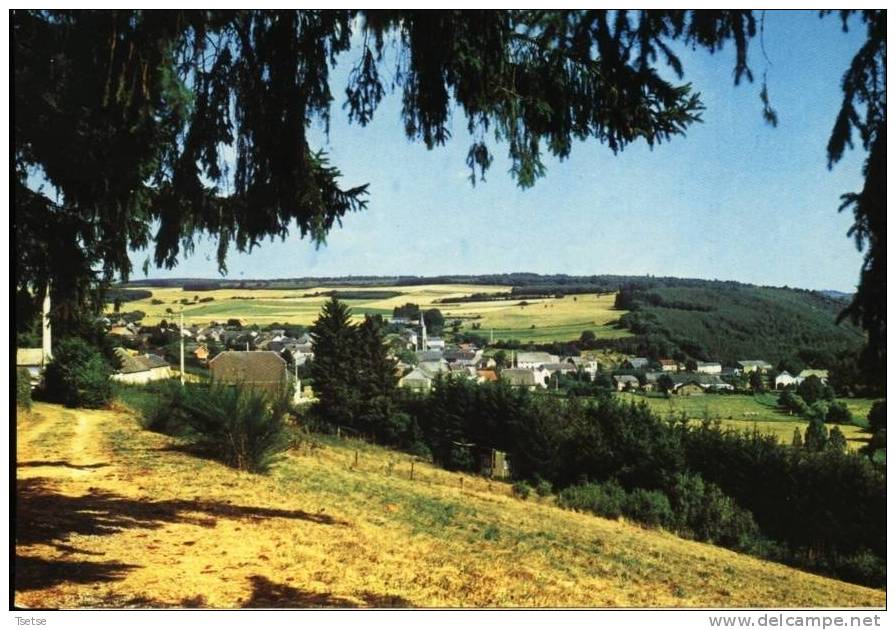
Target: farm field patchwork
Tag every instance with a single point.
(537, 320)
(113, 516)
(743, 412)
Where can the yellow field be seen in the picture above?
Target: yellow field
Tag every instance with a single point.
(539, 320)
(113, 516)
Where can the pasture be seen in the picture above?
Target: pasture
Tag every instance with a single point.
(536, 320)
(744, 412)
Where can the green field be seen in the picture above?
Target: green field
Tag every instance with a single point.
(744, 412)
(537, 320)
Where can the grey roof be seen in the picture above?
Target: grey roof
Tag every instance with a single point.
(240, 366)
(700, 379)
(638, 362)
(535, 357)
(418, 374)
(429, 355)
(626, 378)
(516, 376)
(141, 363)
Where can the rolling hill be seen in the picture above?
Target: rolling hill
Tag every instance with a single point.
(109, 515)
(727, 322)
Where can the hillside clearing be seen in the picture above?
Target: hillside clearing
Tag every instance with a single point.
(113, 516)
(745, 412)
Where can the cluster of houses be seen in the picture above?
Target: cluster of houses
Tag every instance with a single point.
(702, 377)
(201, 342)
(434, 356)
(262, 359)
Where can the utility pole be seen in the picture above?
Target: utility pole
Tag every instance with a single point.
(182, 346)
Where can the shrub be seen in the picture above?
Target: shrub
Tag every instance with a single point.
(877, 417)
(521, 490)
(543, 488)
(836, 441)
(792, 402)
(816, 435)
(838, 413)
(649, 507)
(165, 412)
(241, 427)
(862, 567)
(603, 499)
(23, 388)
(78, 375)
(818, 409)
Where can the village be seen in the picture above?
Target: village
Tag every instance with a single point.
(274, 357)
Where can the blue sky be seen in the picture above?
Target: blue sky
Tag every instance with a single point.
(734, 199)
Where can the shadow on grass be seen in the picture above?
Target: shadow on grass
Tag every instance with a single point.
(38, 573)
(268, 594)
(44, 516)
(60, 463)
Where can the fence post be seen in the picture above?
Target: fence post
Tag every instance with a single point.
(412, 470)
(356, 458)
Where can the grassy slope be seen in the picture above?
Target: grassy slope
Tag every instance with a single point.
(747, 322)
(114, 516)
(744, 412)
(553, 319)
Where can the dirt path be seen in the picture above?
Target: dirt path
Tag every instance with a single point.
(63, 445)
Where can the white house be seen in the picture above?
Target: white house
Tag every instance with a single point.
(821, 374)
(785, 379)
(626, 381)
(435, 343)
(141, 368)
(417, 379)
(752, 366)
(529, 360)
(709, 367)
(636, 363)
(582, 363)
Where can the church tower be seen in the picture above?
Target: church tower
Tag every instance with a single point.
(422, 333)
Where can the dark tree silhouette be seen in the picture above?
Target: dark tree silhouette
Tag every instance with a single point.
(125, 114)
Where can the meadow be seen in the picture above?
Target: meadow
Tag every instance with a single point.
(746, 412)
(110, 515)
(537, 320)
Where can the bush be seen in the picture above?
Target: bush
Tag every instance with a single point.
(603, 499)
(543, 488)
(877, 417)
(816, 435)
(78, 375)
(521, 490)
(862, 567)
(649, 507)
(23, 388)
(164, 412)
(241, 427)
(838, 413)
(793, 403)
(836, 441)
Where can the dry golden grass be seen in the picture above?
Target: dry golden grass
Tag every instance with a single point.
(113, 516)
